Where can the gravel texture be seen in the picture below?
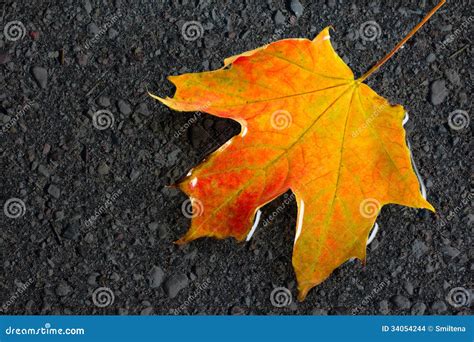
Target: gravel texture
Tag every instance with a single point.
(86, 157)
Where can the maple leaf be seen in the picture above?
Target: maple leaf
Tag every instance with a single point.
(307, 126)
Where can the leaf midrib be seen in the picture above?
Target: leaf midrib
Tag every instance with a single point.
(284, 153)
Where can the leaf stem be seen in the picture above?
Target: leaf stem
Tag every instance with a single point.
(401, 43)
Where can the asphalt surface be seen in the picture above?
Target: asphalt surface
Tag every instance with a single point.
(88, 221)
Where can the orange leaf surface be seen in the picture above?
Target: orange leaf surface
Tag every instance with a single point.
(307, 126)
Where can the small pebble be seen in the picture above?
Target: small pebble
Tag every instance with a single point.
(82, 59)
(143, 109)
(162, 231)
(92, 279)
(439, 307)
(401, 302)
(103, 101)
(44, 170)
(237, 311)
(41, 76)
(59, 215)
(122, 312)
(54, 191)
(450, 251)
(103, 169)
(134, 174)
(93, 29)
(319, 312)
(383, 307)
(156, 277)
(418, 309)
(89, 238)
(4, 58)
(63, 289)
(112, 33)
(431, 58)
(175, 283)
(439, 92)
(137, 277)
(153, 226)
(453, 77)
(297, 8)
(46, 149)
(408, 287)
(419, 248)
(72, 231)
(88, 6)
(279, 18)
(147, 311)
(124, 107)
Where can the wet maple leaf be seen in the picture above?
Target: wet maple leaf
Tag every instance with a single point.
(307, 126)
